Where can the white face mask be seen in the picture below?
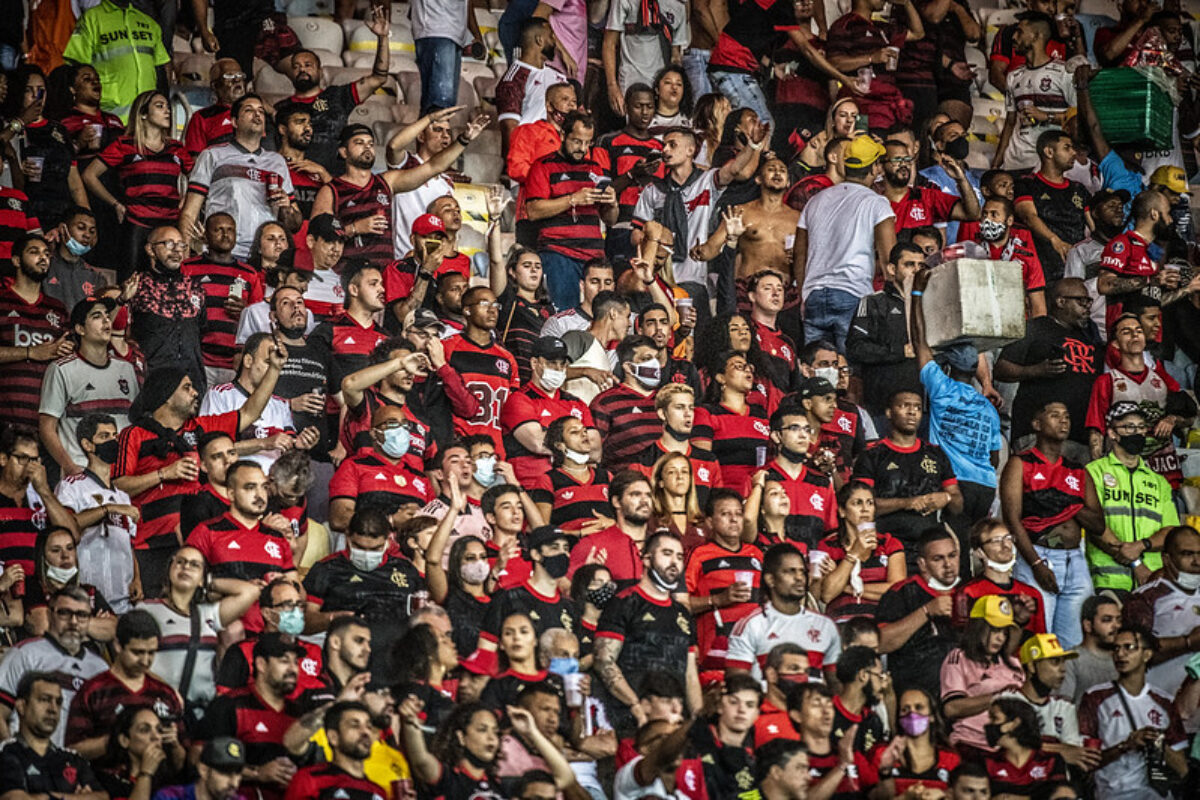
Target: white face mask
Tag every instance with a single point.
(1189, 581)
(938, 586)
(830, 374)
(576, 456)
(475, 571)
(553, 378)
(365, 560)
(1002, 566)
(63, 575)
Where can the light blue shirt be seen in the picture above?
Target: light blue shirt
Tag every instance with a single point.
(964, 424)
(1116, 175)
(938, 176)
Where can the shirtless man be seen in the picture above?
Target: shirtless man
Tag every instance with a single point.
(761, 232)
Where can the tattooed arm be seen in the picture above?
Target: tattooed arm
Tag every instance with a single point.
(1109, 282)
(607, 651)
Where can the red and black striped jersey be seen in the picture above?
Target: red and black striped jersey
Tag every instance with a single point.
(967, 593)
(236, 669)
(15, 219)
(531, 404)
(150, 181)
(572, 503)
(304, 190)
(813, 503)
(110, 128)
(574, 233)
(706, 471)
(244, 715)
(1010, 780)
(711, 569)
(844, 436)
(520, 326)
(144, 452)
(331, 782)
(352, 203)
(98, 702)
(779, 353)
(905, 778)
(874, 570)
(489, 373)
(20, 526)
(234, 551)
(616, 153)
(399, 277)
(1051, 492)
(22, 325)
(368, 478)
(344, 346)
(218, 281)
(356, 430)
(739, 441)
(628, 425)
(208, 126)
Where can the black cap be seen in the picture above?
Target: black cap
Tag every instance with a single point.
(350, 131)
(327, 227)
(224, 753)
(1104, 195)
(816, 387)
(277, 645)
(425, 318)
(546, 534)
(84, 307)
(550, 347)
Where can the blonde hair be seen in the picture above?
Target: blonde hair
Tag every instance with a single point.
(691, 505)
(138, 122)
(666, 394)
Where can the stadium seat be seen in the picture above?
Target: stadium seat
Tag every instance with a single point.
(317, 33)
(268, 81)
(401, 41)
(993, 19)
(977, 59)
(329, 58)
(376, 109)
(192, 69)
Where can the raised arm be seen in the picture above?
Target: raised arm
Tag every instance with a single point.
(380, 25)
(916, 320)
(405, 180)
(742, 166)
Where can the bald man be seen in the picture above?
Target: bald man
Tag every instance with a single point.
(212, 125)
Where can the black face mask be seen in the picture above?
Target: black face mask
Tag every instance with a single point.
(1133, 443)
(556, 566)
(292, 333)
(107, 451)
(992, 733)
(475, 761)
(1163, 228)
(600, 597)
(678, 436)
(794, 456)
(958, 149)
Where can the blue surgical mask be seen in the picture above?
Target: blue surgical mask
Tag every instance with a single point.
(395, 442)
(485, 471)
(291, 621)
(77, 248)
(564, 666)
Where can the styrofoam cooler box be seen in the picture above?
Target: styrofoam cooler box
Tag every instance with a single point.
(970, 299)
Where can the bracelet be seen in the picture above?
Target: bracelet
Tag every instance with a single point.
(1137, 562)
(141, 775)
(756, 146)
(379, 74)
(916, 293)
(463, 140)
(1037, 563)
(160, 476)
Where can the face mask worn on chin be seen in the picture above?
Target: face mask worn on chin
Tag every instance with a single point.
(1133, 443)
(292, 333)
(992, 231)
(938, 586)
(556, 566)
(485, 471)
(108, 451)
(1188, 580)
(1002, 566)
(662, 582)
(291, 621)
(600, 596)
(648, 373)
(77, 248)
(576, 456)
(366, 560)
(678, 436)
(794, 456)
(830, 374)
(914, 724)
(552, 379)
(61, 575)
(395, 442)
(474, 572)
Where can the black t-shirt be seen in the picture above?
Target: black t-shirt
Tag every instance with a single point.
(545, 612)
(655, 635)
(1081, 349)
(917, 662)
(58, 772)
(468, 614)
(728, 769)
(896, 472)
(329, 111)
(1062, 208)
(871, 730)
(203, 506)
(304, 373)
(49, 153)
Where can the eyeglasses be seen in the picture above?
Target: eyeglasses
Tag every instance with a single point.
(66, 614)
(394, 425)
(1006, 539)
(900, 160)
(486, 304)
(744, 367)
(188, 563)
(169, 245)
(23, 458)
(1131, 427)
(292, 606)
(1129, 647)
(797, 429)
(234, 76)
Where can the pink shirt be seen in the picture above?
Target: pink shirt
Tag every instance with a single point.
(569, 24)
(962, 677)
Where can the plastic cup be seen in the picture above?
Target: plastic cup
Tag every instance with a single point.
(893, 58)
(33, 166)
(573, 685)
(744, 578)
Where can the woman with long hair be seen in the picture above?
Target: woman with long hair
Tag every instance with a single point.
(676, 507)
(517, 652)
(524, 306)
(422, 661)
(672, 98)
(770, 524)
(56, 566)
(735, 331)
(708, 120)
(868, 562)
(592, 587)
(573, 494)
(73, 94)
(840, 122)
(136, 764)
(1014, 730)
(44, 147)
(730, 423)
(920, 754)
(270, 241)
(149, 165)
(461, 587)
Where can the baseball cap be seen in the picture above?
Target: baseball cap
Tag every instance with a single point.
(327, 227)
(550, 347)
(1041, 646)
(1104, 195)
(863, 152)
(350, 131)
(546, 534)
(816, 387)
(995, 610)
(1122, 409)
(277, 645)
(1170, 177)
(425, 318)
(224, 753)
(962, 356)
(84, 307)
(428, 224)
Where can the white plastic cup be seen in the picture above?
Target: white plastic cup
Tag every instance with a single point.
(893, 58)
(33, 168)
(573, 684)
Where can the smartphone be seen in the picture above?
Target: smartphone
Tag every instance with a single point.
(860, 123)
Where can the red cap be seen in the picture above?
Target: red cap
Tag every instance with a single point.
(481, 662)
(427, 224)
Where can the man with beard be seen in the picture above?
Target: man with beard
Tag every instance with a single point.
(1167, 607)
(1083, 261)
(387, 381)
(33, 329)
(532, 141)
(349, 728)
(996, 236)
(864, 683)
(32, 764)
(330, 106)
(914, 615)
(408, 281)
(294, 128)
(521, 93)
(346, 654)
(657, 323)
(1100, 619)
(302, 383)
(220, 767)
(343, 343)
(1051, 205)
(995, 547)
(1038, 95)
(259, 715)
(620, 548)
(916, 206)
(242, 179)
(167, 310)
(281, 605)
(1126, 268)
(362, 200)
(212, 124)
(1060, 357)
(59, 652)
(644, 629)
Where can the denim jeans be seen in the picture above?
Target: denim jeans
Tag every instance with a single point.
(695, 66)
(439, 62)
(827, 315)
(743, 91)
(563, 275)
(1074, 586)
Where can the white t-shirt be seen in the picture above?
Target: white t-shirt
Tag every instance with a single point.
(74, 386)
(173, 647)
(1081, 259)
(699, 198)
(1176, 613)
(105, 549)
(446, 19)
(840, 222)
(44, 655)
(531, 83)
(754, 637)
(642, 53)
(276, 418)
(256, 318)
(1049, 88)
(625, 785)
(233, 180)
(407, 206)
(1059, 721)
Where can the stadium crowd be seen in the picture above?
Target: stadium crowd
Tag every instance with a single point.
(328, 473)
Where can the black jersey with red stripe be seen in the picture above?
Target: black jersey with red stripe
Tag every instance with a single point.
(813, 503)
(98, 702)
(149, 180)
(905, 778)
(25, 325)
(628, 425)
(739, 441)
(219, 281)
(344, 346)
(574, 233)
(75, 120)
(1051, 491)
(544, 611)
(489, 373)
(143, 451)
(352, 203)
(304, 189)
(617, 153)
(15, 219)
(573, 503)
(779, 356)
(331, 782)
